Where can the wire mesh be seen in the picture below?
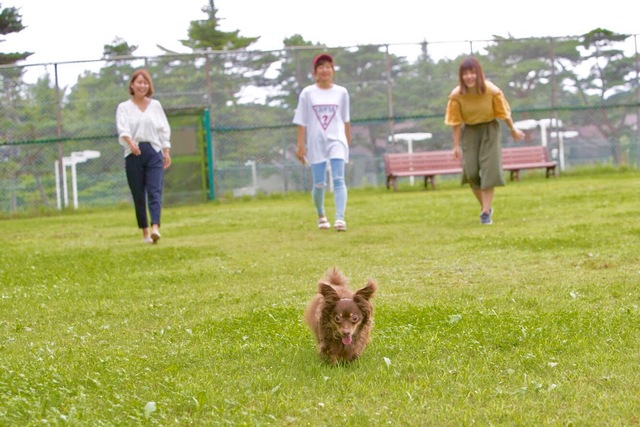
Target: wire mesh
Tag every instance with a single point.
(582, 104)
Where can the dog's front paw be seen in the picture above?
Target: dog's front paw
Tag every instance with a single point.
(328, 355)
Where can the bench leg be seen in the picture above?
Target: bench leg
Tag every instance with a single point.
(433, 182)
(391, 181)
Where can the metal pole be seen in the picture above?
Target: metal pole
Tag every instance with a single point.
(389, 91)
(57, 174)
(207, 125)
(543, 133)
(65, 194)
(61, 166)
(637, 57)
(554, 95)
(561, 149)
(74, 184)
(207, 132)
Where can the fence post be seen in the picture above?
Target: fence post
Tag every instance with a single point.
(637, 57)
(61, 167)
(206, 123)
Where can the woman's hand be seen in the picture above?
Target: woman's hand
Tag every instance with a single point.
(517, 134)
(167, 159)
(301, 154)
(456, 152)
(457, 130)
(134, 148)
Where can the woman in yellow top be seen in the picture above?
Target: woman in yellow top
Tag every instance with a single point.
(472, 110)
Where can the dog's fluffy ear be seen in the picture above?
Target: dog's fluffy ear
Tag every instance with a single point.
(362, 297)
(368, 291)
(328, 292)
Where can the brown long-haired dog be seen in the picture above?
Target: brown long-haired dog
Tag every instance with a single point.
(341, 319)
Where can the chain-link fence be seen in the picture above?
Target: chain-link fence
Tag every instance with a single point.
(231, 114)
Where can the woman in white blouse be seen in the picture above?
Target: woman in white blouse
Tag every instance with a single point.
(144, 132)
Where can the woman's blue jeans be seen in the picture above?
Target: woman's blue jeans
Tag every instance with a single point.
(318, 171)
(144, 175)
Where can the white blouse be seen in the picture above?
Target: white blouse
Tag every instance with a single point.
(150, 125)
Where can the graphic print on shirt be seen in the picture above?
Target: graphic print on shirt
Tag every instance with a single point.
(325, 114)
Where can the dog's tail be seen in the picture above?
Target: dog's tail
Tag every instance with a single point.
(335, 277)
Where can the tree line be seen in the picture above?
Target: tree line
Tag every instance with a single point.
(587, 74)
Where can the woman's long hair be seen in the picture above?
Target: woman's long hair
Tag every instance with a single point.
(472, 64)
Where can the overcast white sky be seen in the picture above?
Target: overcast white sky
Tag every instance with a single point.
(66, 30)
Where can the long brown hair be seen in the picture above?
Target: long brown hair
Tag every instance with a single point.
(472, 63)
(145, 74)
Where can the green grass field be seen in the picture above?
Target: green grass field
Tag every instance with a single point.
(531, 321)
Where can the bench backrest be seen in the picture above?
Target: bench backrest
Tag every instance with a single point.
(528, 154)
(422, 161)
(442, 160)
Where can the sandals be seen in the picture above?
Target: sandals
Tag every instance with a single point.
(323, 223)
(339, 225)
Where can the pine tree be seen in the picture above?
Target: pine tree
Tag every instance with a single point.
(204, 34)
(11, 22)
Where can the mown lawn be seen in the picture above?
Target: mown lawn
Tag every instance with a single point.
(531, 321)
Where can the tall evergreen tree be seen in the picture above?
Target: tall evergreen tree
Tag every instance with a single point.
(11, 22)
(118, 47)
(610, 80)
(205, 34)
(11, 86)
